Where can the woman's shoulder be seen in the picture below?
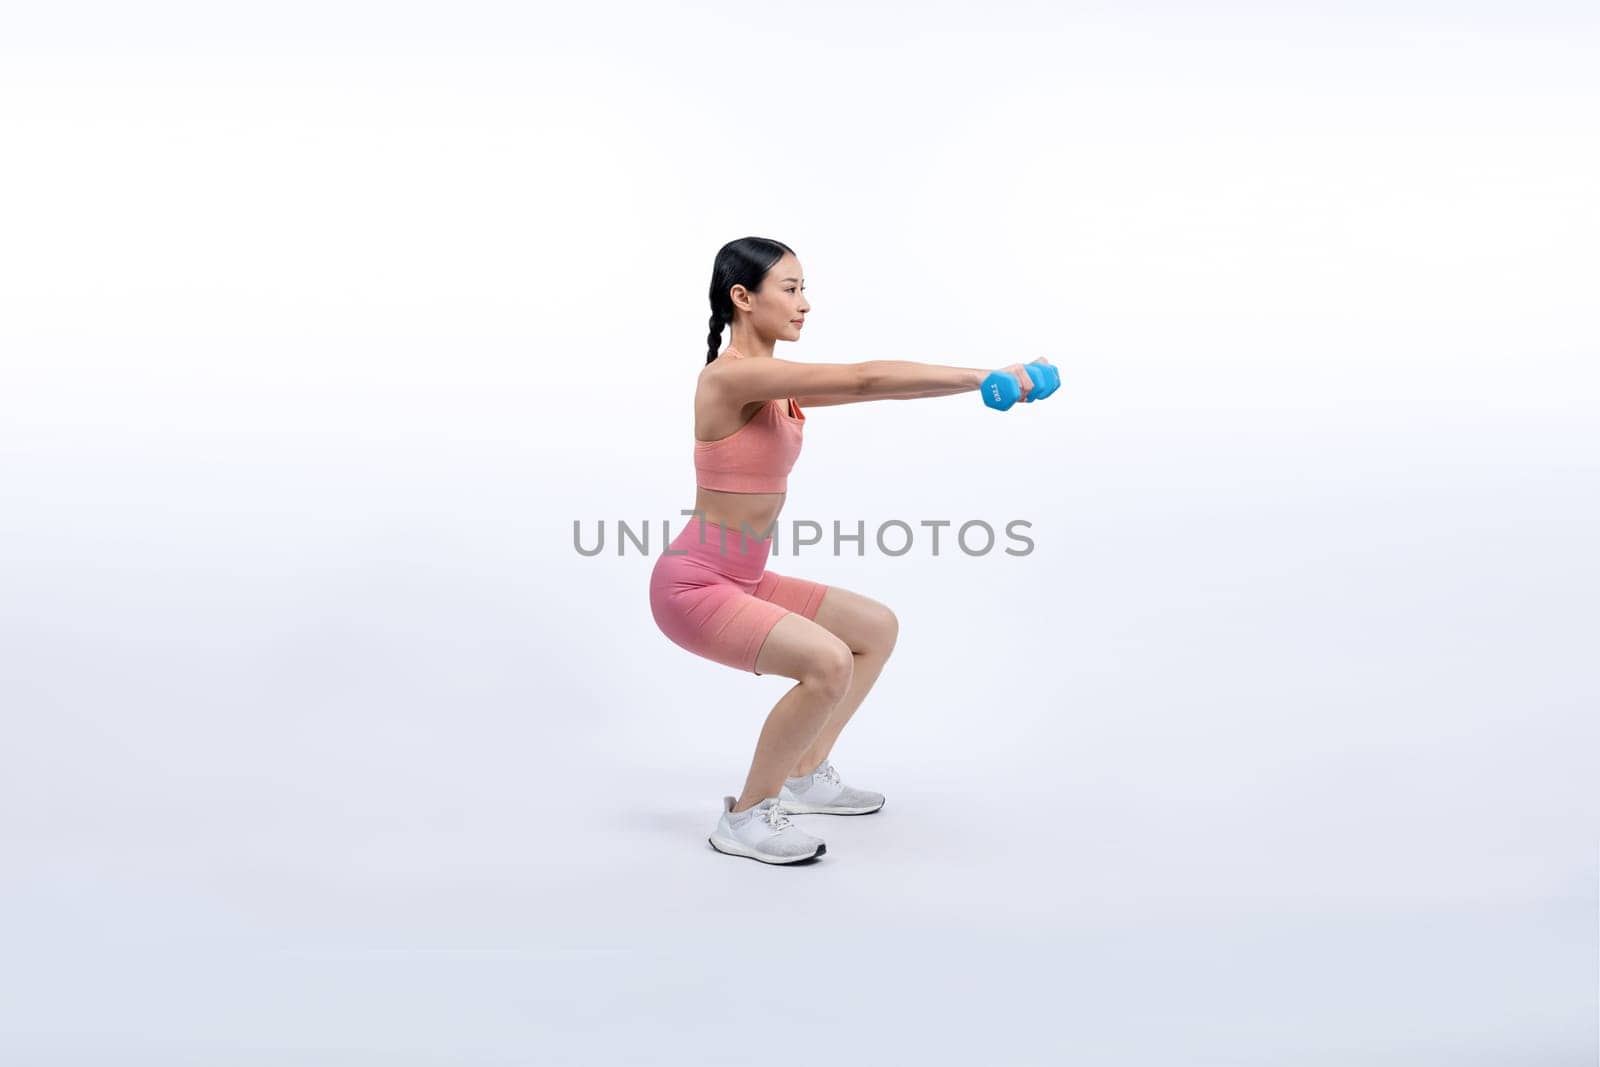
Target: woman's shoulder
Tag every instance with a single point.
(715, 416)
(711, 373)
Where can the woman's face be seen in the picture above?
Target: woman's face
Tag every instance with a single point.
(779, 309)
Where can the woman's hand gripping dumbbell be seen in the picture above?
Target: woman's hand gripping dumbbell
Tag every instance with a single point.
(1020, 381)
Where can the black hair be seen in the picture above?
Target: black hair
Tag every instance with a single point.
(743, 262)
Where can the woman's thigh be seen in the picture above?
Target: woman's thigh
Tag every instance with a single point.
(781, 625)
(800, 595)
(856, 623)
(859, 621)
(795, 647)
(799, 651)
(716, 619)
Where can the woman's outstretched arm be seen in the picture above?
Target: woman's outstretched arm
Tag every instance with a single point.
(899, 379)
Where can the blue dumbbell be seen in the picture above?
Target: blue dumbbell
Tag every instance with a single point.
(1001, 390)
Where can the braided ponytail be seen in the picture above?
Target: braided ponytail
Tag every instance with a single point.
(714, 338)
(743, 262)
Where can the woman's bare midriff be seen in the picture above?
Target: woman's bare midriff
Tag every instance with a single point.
(757, 511)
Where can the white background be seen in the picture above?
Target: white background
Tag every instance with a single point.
(321, 324)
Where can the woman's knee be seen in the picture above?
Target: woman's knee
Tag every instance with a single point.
(877, 629)
(831, 669)
(888, 629)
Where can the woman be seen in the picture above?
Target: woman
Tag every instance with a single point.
(711, 592)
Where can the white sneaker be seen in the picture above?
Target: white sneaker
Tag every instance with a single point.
(763, 833)
(821, 793)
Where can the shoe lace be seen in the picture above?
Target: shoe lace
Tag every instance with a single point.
(776, 818)
(827, 772)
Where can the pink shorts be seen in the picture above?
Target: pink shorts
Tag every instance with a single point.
(721, 602)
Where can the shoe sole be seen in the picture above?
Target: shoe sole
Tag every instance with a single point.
(788, 808)
(735, 849)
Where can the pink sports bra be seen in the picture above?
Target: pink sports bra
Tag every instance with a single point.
(757, 457)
